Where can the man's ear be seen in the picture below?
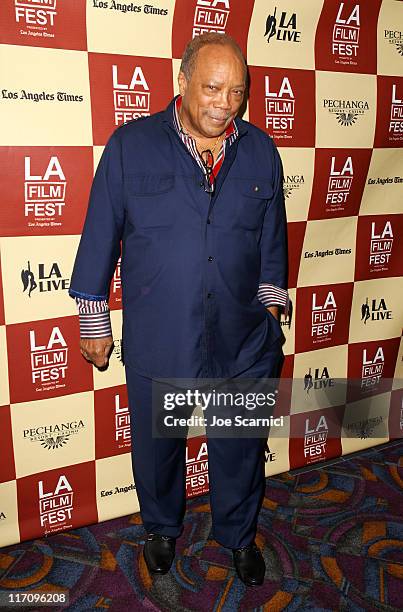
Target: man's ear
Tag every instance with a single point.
(182, 82)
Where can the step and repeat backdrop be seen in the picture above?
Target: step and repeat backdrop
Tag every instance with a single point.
(326, 82)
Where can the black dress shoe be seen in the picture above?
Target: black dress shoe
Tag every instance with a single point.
(159, 552)
(249, 564)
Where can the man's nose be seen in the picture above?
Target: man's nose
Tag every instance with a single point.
(223, 100)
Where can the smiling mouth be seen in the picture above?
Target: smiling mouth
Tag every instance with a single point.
(219, 119)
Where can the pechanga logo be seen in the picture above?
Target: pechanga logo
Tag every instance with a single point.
(346, 111)
(286, 29)
(197, 468)
(339, 185)
(55, 507)
(323, 317)
(210, 16)
(268, 455)
(319, 380)
(346, 35)
(45, 194)
(372, 367)
(131, 100)
(279, 105)
(395, 37)
(2, 516)
(291, 182)
(396, 113)
(49, 361)
(53, 436)
(49, 279)
(122, 423)
(381, 245)
(315, 438)
(365, 428)
(37, 16)
(375, 311)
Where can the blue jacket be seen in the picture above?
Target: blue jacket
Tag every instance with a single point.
(191, 262)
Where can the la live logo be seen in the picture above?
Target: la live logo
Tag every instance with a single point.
(323, 316)
(131, 100)
(45, 192)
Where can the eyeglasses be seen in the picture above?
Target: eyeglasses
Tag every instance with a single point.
(208, 163)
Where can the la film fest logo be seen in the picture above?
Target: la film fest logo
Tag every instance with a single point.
(122, 424)
(375, 310)
(36, 16)
(395, 38)
(365, 428)
(372, 367)
(54, 436)
(117, 281)
(56, 507)
(396, 113)
(285, 29)
(381, 245)
(339, 185)
(45, 194)
(323, 317)
(280, 105)
(48, 278)
(320, 379)
(210, 16)
(131, 100)
(49, 361)
(346, 111)
(315, 438)
(291, 183)
(346, 35)
(197, 468)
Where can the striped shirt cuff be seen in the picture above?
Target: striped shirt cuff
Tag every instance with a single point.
(271, 295)
(94, 317)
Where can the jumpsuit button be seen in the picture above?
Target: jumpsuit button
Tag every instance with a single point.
(210, 258)
(201, 183)
(256, 188)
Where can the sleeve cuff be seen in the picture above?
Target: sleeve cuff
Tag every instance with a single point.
(271, 295)
(94, 317)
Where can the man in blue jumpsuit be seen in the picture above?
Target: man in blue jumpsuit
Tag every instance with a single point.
(194, 195)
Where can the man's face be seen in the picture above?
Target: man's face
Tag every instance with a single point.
(212, 96)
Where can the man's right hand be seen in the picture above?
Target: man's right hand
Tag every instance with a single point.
(96, 350)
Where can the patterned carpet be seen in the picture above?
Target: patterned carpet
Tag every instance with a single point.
(332, 538)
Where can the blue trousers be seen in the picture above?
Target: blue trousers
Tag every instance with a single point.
(236, 468)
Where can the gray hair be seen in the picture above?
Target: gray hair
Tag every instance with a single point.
(193, 47)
